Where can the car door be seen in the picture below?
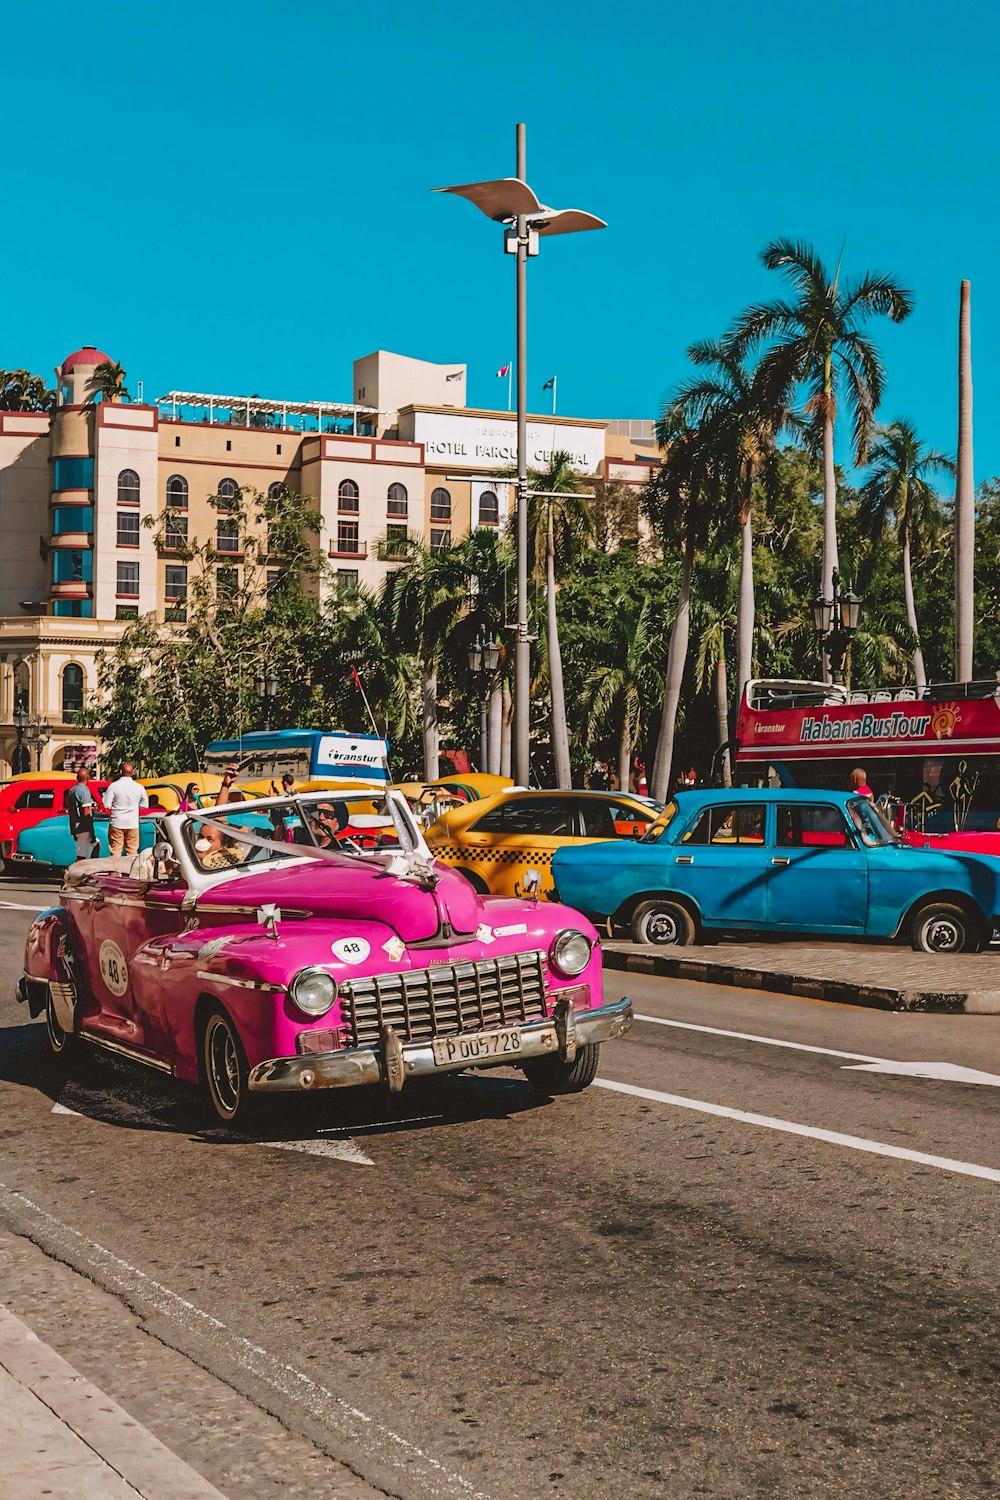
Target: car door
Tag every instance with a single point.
(609, 818)
(721, 861)
(124, 914)
(519, 835)
(818, 876)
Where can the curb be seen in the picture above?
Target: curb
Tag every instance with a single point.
(132, 1461)
(808, 986)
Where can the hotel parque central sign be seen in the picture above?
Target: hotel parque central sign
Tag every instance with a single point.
(473, 441)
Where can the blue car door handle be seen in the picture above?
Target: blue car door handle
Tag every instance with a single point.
(684, 859)
(781, 859)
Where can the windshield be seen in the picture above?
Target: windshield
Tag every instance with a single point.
(659, 824)
(870, 826)
(251, 834)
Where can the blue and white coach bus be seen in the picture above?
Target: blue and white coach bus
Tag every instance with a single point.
(305, 753)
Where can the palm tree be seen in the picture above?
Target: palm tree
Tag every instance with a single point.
(485, 561)
(815, 342)
(617, 689)
(678, 501)
(421, 600)
(108, 382)
(559, 525)
(737, 416)
(898, 492)
(965, 499)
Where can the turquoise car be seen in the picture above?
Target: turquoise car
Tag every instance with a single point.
(51, 843)
(781, 860)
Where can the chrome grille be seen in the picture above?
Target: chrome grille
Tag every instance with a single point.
(444, 999)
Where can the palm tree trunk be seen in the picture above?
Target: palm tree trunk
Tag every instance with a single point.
(676, 661)
(722, 716)
(430, 725)
(831, 560)
(911, 618)
(624, 749)
(505, 732)
(746, 609)
(496, 726)
(965, 500)
(560, 733)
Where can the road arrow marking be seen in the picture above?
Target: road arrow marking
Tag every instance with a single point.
(949, 1072)
(60, 1109)
(337, 1150)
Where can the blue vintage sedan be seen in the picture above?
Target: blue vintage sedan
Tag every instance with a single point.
(51, 843)
(777, 861)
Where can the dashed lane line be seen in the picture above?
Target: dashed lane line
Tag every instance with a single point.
(811, 1132)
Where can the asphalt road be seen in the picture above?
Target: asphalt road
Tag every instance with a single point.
(751, 1262)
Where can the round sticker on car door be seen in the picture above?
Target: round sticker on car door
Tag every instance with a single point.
(114, 970)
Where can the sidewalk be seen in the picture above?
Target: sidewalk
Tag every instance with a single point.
(60, 1437)
(882, 977)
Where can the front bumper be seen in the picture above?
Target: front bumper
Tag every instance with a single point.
(396, 1061)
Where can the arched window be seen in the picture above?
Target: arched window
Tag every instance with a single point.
(440, 505)
(22, 686)
(348, 494)
(72, 691)
(128, 487)
(397, 503)
(275, 490)
(228, 489)
(177, 492)
(489, 509)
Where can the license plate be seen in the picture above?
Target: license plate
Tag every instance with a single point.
(477, 1046)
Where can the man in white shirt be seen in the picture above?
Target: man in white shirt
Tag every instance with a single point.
(123, 800)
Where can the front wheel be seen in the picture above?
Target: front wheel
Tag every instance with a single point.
(663, 922)
(550, 1075)
(943, 928)
(476, 881)
(224, 1070)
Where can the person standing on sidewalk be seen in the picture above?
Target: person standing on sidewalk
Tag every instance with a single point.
(80, 811)
(123, 800)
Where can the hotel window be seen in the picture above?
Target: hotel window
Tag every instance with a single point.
(348, 580)
(175, 532)
(274, 579)
(397, 503)
(440, 505)
(489, 509)
(228, 489)
(128, 528)
(126, 611)
(72, 692)
(227, 536)
(395, 539)
(75, 609)
(347, 496)
(227, 582)
(73, 474)
(275, 490)
(71, 566)
(440, 539)
(175, 581)
(128, 579)
(347, 536)
(177, 492)
(128, 487)
(72, 518)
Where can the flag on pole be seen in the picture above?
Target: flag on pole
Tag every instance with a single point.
(503, 370)
(356, 679)
(550, 385)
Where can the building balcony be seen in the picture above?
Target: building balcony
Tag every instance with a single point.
(76, 539)
(358, 549)
(74, 588)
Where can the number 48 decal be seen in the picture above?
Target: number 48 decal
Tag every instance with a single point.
(114, 969)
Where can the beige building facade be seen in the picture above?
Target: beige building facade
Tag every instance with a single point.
(85, 490)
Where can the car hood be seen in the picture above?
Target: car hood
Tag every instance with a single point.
(362, 891)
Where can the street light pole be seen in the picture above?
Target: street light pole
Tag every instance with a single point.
(522, 649)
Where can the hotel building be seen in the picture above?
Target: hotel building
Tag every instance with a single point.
(78, 483)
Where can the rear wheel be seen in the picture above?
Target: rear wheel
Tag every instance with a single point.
(550, 1075)
(224, 1070)
(61, 1043)
(941, 927)
(663, 922)
(476, 881)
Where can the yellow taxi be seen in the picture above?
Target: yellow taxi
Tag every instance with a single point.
(168, 790)
(495, 841)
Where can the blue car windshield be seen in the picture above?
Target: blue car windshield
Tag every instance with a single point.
(869, 825)
(659, 824)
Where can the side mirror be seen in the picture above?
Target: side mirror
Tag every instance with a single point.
(163, 855)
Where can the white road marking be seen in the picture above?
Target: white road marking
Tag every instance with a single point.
(750, 1036)
(950, 1072)
(812, 1132)
(60, 1109)
(16, 906)
(338, 1150)
(337, 1414)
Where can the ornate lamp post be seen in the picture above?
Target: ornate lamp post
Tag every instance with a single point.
(21, 759)
(484, 658)
(267, 689)
(836, 620)
(41, 733)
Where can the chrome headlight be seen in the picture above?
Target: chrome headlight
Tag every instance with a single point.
(314, 991)
(570, 953)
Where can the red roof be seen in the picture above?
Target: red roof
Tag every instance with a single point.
(88, 355)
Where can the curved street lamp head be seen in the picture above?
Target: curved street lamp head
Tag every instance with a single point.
(504, 198)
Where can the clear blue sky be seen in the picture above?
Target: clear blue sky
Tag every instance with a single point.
(236, 198)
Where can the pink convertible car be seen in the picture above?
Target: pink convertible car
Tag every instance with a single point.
(266, 947)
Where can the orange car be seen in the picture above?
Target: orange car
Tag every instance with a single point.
(495, 841)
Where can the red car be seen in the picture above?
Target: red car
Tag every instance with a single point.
(27, 799)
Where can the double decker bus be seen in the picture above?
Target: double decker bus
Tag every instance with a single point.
(932, 752)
